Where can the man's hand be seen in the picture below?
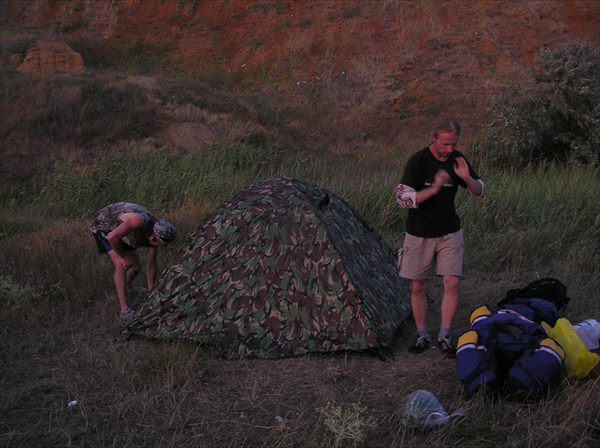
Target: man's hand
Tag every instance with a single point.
(441, 177)
(461, 168)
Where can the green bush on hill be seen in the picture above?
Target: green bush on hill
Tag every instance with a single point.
(76, 110)
(559, 119)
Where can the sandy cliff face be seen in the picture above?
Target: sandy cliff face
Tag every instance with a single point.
(411, 52)
(386, 66)
(301, 39)
(48, 57)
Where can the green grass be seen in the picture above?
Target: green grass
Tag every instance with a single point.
(140, 393)
(530, 220)
(77, 110)
(542, 222)
(548, 211)
(60, 339)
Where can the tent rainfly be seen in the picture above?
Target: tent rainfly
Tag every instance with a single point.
(283, 268)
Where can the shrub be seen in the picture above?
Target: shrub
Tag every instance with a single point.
(75, 110)
(347, 425)
(556, 121)
(92, 51)
(12, 292)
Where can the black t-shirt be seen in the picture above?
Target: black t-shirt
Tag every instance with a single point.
(436, 216)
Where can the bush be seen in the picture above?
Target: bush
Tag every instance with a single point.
(349, 426)
(75, 110)
(556, 121)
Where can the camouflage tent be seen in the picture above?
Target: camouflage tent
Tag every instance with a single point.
(283, 268)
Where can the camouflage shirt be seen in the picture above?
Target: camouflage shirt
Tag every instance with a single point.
(108, 218)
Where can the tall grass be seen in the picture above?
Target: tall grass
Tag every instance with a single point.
(550, 197)
(83, 111)
(536, 220)
(58, 326)
(58, 329)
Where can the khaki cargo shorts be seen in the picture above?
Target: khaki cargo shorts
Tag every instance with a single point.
(418, 255)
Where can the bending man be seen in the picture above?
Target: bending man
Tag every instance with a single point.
(121, 228)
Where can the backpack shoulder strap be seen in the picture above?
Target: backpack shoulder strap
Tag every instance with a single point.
(547, 288)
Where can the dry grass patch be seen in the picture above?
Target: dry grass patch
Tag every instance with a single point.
(66, 346)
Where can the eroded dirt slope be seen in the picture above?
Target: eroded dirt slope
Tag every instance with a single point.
(385, 68)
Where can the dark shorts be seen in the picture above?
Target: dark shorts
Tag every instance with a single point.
(104, 246)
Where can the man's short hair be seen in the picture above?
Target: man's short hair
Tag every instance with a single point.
(446, 124)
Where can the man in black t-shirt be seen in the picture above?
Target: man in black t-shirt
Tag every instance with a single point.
(433, 231)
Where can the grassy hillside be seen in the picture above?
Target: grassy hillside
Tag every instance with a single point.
(338, 93)
(334, 76)
(61, 344)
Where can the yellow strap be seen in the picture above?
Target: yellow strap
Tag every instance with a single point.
(481, 311)
(470, 337)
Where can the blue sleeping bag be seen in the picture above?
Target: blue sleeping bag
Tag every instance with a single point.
(507, 350)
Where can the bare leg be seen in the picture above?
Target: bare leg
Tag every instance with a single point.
(418, 301)
(450, 299)
(122, 277)
(135, 268)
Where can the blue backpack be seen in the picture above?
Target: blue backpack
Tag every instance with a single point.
(508, 352)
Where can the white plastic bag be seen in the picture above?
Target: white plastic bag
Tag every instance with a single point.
(423, 409)
(589, 332)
